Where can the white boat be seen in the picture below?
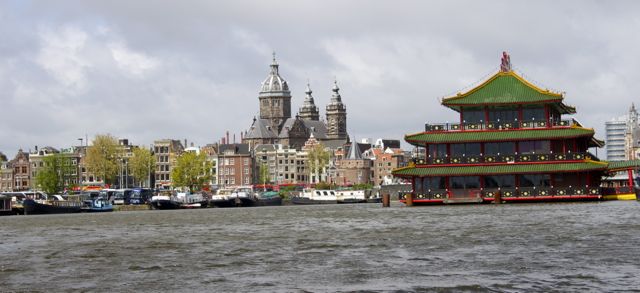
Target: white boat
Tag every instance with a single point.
(316, 196)
(351, 196)
(243, 196)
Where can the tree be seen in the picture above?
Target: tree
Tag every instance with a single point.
(102, 157)
(141, 164)
(263, 171)
(318, 159)
(192, 171)
(56, 169)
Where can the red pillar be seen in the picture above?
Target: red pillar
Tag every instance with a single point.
(630, 173)
(546, 115)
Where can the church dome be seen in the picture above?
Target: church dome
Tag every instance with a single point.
(274, 82)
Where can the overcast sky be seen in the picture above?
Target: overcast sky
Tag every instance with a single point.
(147, 70)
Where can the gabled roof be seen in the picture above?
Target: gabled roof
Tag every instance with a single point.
(259, 129)
(354, 152)
(318, 128)
(506, 88)
(499, 135)
(500, 169)
(235, 148)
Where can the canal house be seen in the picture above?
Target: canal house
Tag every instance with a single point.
(513, 143)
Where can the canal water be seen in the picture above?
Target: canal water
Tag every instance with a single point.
(578, 247)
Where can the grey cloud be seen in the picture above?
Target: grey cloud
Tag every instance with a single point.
(192, 69)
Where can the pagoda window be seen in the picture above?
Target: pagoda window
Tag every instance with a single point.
(433, 183)
(473, 116)
(417, 185)
(500, 181)
(503, 115)
(437, 150)
(556, 147)
(464, 182)
(535, 180)
(465, 149)
(565, 180)
(499, 148)
(533, 114)
(534, 147)
(570, 145)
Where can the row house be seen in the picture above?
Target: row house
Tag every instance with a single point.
(210, 150)
(281, 164)
(69, 169)
(6, 176)
(235, 165)
(21, 171)
(166, 152)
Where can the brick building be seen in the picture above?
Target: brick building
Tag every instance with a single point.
(235, 165)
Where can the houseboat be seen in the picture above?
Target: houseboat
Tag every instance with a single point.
(512, 143)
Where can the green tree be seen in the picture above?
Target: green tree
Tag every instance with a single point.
(318, 159)
(56, 169)
(362, 186)
(263, 171)
(102, 157)
(192, 171)
(141, 164)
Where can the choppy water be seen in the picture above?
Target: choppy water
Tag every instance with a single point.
(517, 248)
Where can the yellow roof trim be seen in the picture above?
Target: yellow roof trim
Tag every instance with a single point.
(498, 74)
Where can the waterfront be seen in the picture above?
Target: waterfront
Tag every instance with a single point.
(528, 247)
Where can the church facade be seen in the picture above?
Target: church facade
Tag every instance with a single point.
(276, 125)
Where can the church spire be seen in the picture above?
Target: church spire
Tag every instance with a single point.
(274, 64)
(309, 111)
(336, 115)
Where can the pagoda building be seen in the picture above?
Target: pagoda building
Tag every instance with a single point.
(511, 144)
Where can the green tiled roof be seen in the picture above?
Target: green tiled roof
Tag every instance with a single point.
(499, 135)
(499, 169)
(622, 165)
(506, 88)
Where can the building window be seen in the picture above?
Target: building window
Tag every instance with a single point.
(231, 161)
(246, 161)
(246, 171)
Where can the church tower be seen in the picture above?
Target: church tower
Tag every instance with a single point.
(275, 98)
(336, 116)
(309, 111)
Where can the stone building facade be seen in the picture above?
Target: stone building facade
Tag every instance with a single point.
(353, 169)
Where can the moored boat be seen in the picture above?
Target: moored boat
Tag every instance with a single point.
(165, 202)
(268, 198)
(97, 205)
(243, 197)
(192, 200)
(351, 196)
(56, 206)
(315, 196)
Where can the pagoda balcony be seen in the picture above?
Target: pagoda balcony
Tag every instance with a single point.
(515, 158)
(509, 193)
(498, 125)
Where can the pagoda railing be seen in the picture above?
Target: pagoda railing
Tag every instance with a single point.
(500, 125)
(520, 158)
(522, 192)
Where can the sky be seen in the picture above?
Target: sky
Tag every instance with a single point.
(148, 70)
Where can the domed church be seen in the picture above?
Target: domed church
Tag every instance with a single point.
(276, 125)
